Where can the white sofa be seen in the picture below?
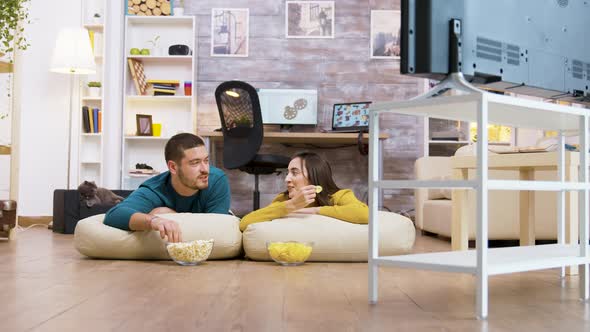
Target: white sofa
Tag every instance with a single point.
(433, 206)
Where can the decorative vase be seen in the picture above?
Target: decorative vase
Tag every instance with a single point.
(94, 92)
(157, 51)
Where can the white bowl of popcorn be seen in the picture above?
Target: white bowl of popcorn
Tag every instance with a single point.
(190, 252)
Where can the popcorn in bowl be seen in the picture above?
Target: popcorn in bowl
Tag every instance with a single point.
(190, 253)
(289, 253)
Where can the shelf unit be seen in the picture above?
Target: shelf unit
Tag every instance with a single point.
(443, 147)
(90, 145)
(176, 113)
(485, 108)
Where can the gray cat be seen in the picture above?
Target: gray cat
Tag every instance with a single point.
(91, 194)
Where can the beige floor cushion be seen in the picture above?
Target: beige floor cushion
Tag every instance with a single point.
(97, 240)
(334, 240)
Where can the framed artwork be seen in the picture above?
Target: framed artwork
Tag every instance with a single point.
(385, 34)
(230, 32)
(309, 19)
(144, 125)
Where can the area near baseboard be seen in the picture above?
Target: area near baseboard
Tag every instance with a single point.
(25, 221)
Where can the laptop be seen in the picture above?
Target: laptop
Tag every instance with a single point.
(351, 117)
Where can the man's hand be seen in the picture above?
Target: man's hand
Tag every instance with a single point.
(167, 228)
(162, 210)
(302, 198)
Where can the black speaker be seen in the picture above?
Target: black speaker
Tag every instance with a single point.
(179, 50)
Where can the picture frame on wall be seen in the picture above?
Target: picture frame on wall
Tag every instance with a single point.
(385, 34)
(144, 125)
(230, 32)
(309, 19)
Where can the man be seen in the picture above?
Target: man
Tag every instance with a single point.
(189, 185)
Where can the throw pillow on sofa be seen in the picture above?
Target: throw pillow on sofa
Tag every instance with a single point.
(334, 240)
(97, 240)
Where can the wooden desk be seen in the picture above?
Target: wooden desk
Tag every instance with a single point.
(526, 164)
(298, 137)
(212, 137)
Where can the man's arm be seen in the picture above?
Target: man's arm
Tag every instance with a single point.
(219, 198)
(131, 214)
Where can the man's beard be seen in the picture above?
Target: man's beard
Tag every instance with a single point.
(192, 183)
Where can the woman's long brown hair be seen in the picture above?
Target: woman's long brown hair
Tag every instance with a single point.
(319, 173)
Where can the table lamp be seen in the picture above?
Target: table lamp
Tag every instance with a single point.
(72, 55)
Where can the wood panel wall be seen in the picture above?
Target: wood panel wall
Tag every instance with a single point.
(340, 69)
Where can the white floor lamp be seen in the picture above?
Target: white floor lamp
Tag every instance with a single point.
(72, 55)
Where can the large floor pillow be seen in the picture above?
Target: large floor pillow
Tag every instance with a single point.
(97, 240)
(334, 240)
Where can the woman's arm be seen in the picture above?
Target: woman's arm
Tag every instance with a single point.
(277, 209)
(281, 206)
(347, 208)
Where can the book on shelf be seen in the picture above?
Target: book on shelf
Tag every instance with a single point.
(85, 119)
(160, 92)
(95, 120)
(164, 87)
(171, 82)
(99, 121)
(91, 118)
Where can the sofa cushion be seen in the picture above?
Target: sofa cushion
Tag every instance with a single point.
(334, 240)
(97, 240)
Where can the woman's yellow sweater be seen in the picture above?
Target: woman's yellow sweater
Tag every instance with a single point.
(345, 207)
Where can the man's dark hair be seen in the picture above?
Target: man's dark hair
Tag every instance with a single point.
(177, 144)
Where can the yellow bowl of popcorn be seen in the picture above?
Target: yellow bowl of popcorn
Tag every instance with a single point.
(190, 252)
(289, 253)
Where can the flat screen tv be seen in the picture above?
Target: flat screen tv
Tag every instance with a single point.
(537, 47)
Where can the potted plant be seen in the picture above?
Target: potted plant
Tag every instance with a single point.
(94, 89)
(178, 8)
(13, 12)
(155, 49)
(13, 16)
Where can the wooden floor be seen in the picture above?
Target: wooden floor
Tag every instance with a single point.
(47, 286)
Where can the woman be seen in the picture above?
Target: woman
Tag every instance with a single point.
(306, 171)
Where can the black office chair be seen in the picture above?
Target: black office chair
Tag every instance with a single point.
(241, 124)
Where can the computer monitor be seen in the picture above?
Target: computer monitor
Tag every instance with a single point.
(351, 116)
(506, 44)
(288, 106)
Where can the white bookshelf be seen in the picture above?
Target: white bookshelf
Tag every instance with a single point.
(176, 113)
(90, 145)
(482, 262)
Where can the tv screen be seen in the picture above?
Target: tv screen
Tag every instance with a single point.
(288, 106)
(539, 46)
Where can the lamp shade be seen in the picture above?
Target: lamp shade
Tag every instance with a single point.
(72, 53)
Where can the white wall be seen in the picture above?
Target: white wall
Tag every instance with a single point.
(42, 99)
